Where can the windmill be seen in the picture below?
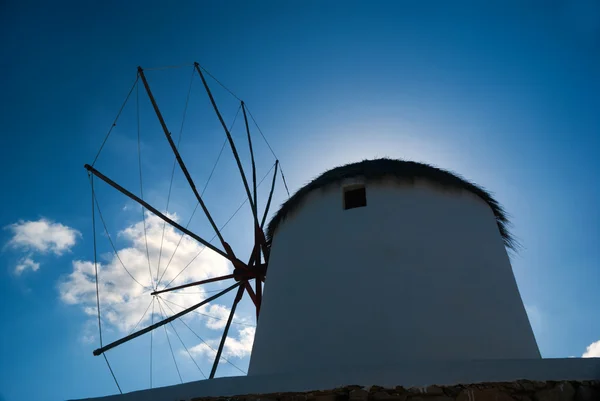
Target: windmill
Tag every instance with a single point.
(248, 275)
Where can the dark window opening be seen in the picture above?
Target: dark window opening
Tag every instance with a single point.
(355, 197)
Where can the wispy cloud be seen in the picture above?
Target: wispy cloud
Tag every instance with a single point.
(40, 237)
(26, 263)
(235, 347)
(592, 351)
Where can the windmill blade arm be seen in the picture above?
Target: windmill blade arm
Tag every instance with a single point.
(266, 213)
(250, 292)
(252, 158)
(209, 280)
(159, 214)
(238, 297)
(130, 337)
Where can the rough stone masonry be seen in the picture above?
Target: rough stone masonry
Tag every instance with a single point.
(521, 390)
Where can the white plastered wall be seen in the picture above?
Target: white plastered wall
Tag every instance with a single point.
(421, 273)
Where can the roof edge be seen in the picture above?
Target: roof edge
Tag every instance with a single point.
(395, 168)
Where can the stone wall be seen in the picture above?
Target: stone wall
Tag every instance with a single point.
(522, 390)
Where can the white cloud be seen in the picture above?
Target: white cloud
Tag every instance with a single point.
(122, 300)
(220, 312)
(42, 236)
(26, 263)
(239, 347)
(592, 351)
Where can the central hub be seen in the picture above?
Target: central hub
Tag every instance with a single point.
(250, 273)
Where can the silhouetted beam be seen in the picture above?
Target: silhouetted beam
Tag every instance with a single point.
(251, 157)
(231, 144)
(209, 280)
(159, 214)
(262, 223)
(238, 297)
(266, 250)
(250, 292)
(258, 296)
(180, 160)
(130, 337)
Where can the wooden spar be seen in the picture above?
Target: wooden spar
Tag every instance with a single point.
(209, 280)
(102, 350)
(265, 248)
(258, 283)
(250, 292)
(182, 164)
(238, 297)
(264, 218)
(251, 157)
(159, 214)
(231, 144)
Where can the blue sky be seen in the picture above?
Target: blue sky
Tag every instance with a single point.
(506, 94)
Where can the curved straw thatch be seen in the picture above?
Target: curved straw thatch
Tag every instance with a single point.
(405, 170)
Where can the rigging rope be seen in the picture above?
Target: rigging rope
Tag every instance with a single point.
(173, 173)
(204, 342)
(219, 82)
(180, 340)
(169, 341)
(137, 94)
(209, 316)
(221, 229)
(97, 284)
(201, 194)
(168, 67)
(151, 341)
(255, 123)
(196, 292)
(114, 248)
(271, 149)
(114, 124)
(112, 373)
(91, 177)
(144, 315)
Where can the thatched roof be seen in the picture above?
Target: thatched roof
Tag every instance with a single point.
(373, 170)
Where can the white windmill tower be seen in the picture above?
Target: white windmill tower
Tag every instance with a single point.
(383, 261)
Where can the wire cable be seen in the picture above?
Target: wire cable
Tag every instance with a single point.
(97, 285)
(173, 174)
(169, 341)
(221, 229)
(112, 373)
(209, 316)
(205, 343)
(151, 341)
(142, 318)
(255, 123)
(96, 259)
(198, 203)
(114, 124)
(114, 248)
(271, 149)
(168, 67)
(196, 292)
(137, 94)
(219, 82)
(180, 340)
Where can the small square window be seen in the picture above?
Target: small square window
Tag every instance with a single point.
(355, 196)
